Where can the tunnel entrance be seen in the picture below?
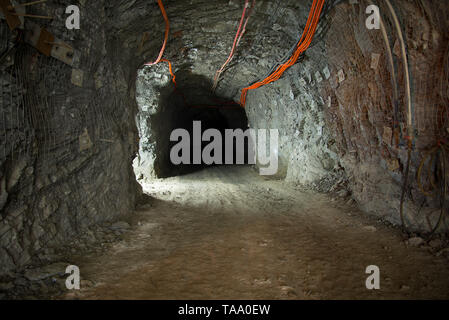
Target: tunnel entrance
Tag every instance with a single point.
(164, 107)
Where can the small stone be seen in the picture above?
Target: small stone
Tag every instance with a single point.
(29, 171)
(86, 284)
(415, 241)
(397, 48)
(85, 142)
(288, 291)
(55, 269)
(393, 164)
(387, 135)
(20, 282)
(277, 27)
(405, 288)
(327, 73)
(350, 202)
(343, 193)
(444, 252)
(6, 286)
(318, 77)
(341, 76)
(370, 228)
(436, 243)
(120, 225)
(262, 282)
(375, 60)
(77, 77)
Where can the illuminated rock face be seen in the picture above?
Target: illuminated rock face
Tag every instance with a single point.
(70, 135)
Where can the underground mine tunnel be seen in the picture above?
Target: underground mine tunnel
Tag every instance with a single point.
(191, 105)
(355, 90)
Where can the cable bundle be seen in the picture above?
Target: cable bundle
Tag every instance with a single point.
(240, 32)
(167, 31)
(302, 45)
(437, 158)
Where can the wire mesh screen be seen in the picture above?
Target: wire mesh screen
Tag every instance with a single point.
(42, 112)
(370, 119)
(372, 100)
(15, 118)
(431, 97)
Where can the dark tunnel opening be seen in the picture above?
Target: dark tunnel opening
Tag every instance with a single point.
(193, 104)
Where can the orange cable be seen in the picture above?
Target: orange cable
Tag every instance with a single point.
(237, 39)
(167, 31)
(303, 45)
(171, 71)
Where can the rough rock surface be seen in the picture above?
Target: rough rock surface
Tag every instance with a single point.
(66, 159)
(65, 162)
(334, 107)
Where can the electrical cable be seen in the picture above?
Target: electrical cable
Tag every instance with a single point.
(303, 44)
(439, 150)
(161, 53)
(410, 130)
(167, 31)
(393, 82)
(406, 71)
(329, 5)
(238, 36)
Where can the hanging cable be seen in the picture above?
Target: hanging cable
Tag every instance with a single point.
(406, 71)
(161, 53)
(410, 131)
(167, 31)
(329, 5)
(240, 32)
(302, 45)
(171, 71)
(394, 83)
(436, 153)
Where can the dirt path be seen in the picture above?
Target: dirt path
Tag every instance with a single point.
(227, 233)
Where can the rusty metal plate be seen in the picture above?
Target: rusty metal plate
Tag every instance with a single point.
(63, 52)
(12, 20)
(44, 43)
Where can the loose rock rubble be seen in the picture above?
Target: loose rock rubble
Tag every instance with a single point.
(45, 277)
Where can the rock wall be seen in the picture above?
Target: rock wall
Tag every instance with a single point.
(69, 136)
